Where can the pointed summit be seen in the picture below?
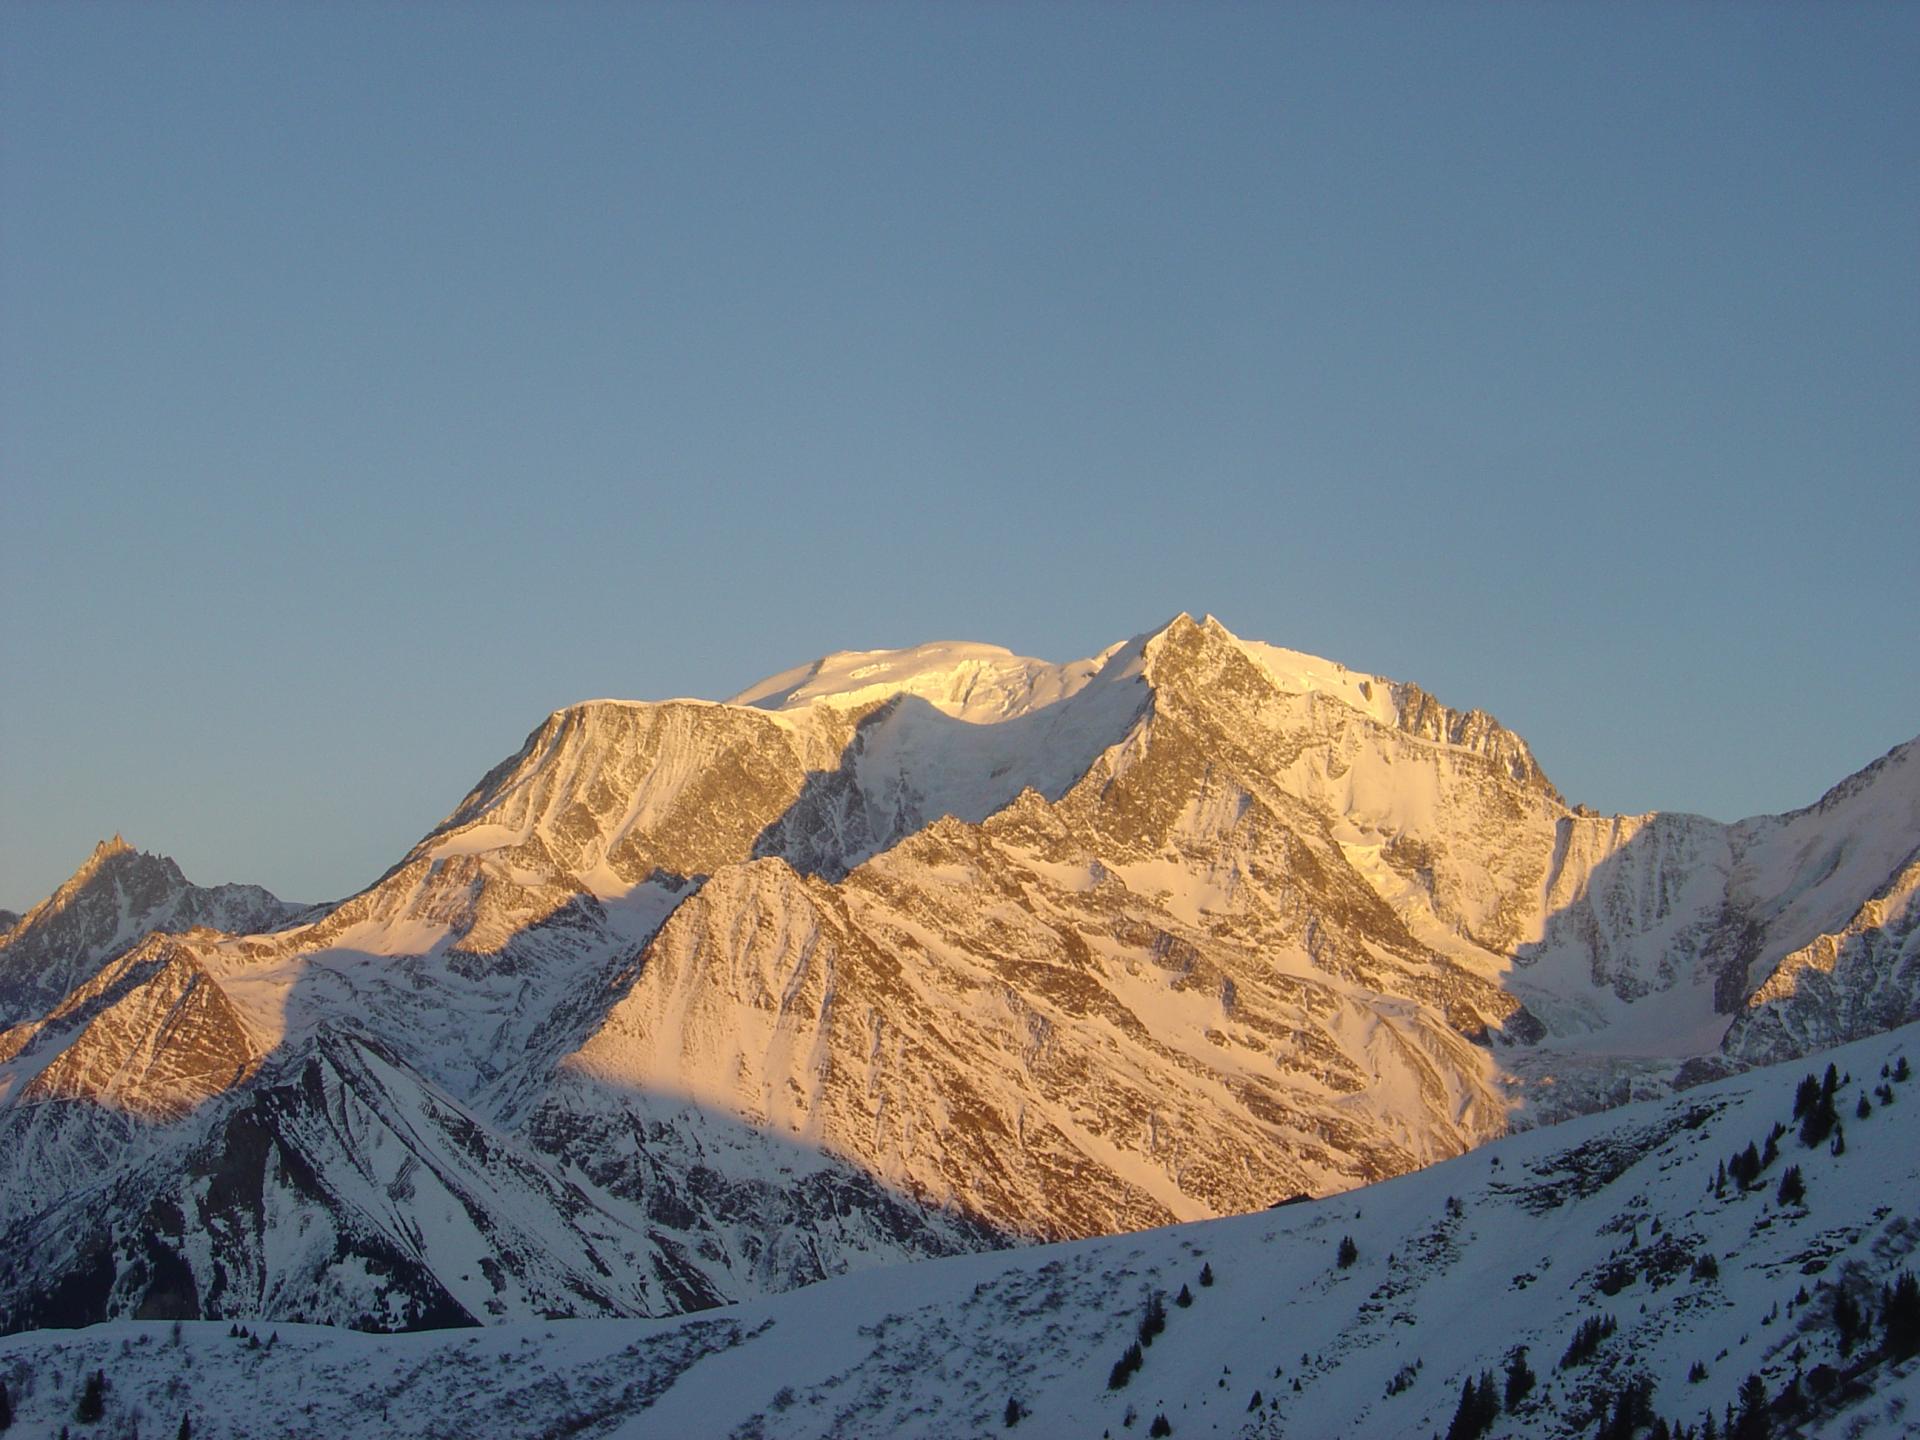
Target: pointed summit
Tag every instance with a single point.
(118, 896)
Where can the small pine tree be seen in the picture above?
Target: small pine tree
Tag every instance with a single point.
(1184, 1298)
(1900, 1070)
(1206, 1276)
(1159, 1427)
(1014, 1412)
(1753, 1421)
(1792, 1188)
(1255, 1403)
(1806, 1096)
(6, 1407)
(1839, 1146)
(1349, 1252)
(1123, 1368)
(1863, 1107)
(1154, 1320)
(1520, 1379)
(1771, 1153)
(1465, 1424)
(1900, 1316)
(186, 1429)
(93, 1403)
(1849, 1324)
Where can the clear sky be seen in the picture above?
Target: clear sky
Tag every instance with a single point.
(375, 379)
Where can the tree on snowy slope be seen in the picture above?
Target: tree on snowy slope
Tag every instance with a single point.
(1900, 1316)
(1479, 1408)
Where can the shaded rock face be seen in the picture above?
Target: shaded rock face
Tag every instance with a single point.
(909, 953)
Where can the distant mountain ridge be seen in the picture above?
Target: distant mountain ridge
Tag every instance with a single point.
(903, 953)
(116, 898)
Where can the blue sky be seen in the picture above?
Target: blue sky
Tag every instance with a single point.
(374, 380)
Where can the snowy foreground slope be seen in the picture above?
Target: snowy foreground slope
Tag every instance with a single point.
(1518, 1244)
(899, 954)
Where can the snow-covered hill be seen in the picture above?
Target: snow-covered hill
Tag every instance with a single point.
(907, 953)
(1695, 1288)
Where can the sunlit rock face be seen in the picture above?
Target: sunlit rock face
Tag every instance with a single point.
(899, 953)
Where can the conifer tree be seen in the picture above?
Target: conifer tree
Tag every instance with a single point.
(1848, 1323)
(92, 1399)
(1206, 1275)
(6, 1407)
(1753, 1422)
(1520, 1378)
(1792, 1188)
(1155, 1319)
(1806, 1097)
(1349, 1252)
(1900, 1316)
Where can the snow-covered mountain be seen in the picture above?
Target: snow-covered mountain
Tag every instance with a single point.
(907, 953)
(116, 898)
(1606, 1269)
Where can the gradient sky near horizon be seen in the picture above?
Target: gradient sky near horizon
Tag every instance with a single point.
(376, 379)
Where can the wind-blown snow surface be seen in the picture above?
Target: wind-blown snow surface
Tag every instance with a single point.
(1516, 1245)
(908, 953)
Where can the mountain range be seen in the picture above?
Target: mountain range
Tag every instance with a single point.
(896, 955)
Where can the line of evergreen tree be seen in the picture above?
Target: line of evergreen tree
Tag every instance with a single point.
(1587, 1336)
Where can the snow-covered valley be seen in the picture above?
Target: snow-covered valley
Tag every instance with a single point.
(1623, 1219)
